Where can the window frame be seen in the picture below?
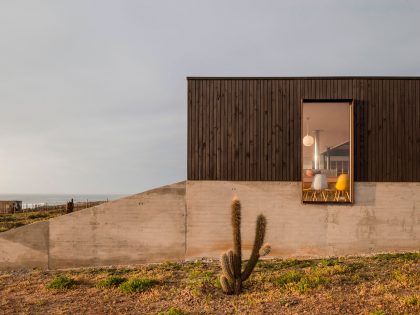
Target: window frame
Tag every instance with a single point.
(351, 103)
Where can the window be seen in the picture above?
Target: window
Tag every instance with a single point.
(327, 151)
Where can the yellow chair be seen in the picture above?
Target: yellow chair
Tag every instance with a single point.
(342, 187)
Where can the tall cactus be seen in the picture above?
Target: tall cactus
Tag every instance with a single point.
(231, 261)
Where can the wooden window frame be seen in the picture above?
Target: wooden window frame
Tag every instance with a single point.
(351, 103)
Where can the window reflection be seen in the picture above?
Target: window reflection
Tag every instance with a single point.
(326, 152)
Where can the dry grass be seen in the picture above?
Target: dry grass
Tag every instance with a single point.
(383, 284)
(15, 220)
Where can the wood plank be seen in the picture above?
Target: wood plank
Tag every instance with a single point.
(218, 126)
(339, 92)
(417, 129)
(275, 122)
(223, 133)
(328, 88)
(307, 85)
(211, 120)
(374, 136)
(190, 142)
(229, 127)
(365, 166)
(255, 122)
(251, 129)
(397, 126)
(241, 131)
(236, 130)
(264, 129)
(357, 129)
(257, 135)
(284, 157)
(410, 129)
(393, 125)
(206, 133)
(269, 132)
(292, 156)
(286, 166)
(297, 131)
(246, 124)
(407, 161)
(385, 127)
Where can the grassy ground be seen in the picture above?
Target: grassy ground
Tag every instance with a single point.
(14, 220)
(10, 221)
(383, 284)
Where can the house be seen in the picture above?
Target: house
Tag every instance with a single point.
(332, 162)
(10, 206)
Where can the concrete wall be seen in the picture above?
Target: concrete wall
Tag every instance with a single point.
(146, 227)
(25, 247)
(192, 220)
(385, 217)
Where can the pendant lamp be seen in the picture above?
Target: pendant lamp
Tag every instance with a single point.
(307, 140)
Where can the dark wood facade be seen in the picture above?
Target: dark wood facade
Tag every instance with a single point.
(249, 128)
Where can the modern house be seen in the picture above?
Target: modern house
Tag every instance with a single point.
(332, 162)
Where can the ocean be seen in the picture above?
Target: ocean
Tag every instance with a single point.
(30, 200)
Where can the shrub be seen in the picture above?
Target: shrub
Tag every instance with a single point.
(137, 285)
(38, 215)
(307, 283)
(173, 311)
(292, 276)
(329, 262)
(110, 282)
(412, 301)
(61, 283)
(398, 256)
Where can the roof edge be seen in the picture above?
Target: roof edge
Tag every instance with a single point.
(308, 78)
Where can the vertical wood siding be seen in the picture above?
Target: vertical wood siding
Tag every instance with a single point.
(249, 129)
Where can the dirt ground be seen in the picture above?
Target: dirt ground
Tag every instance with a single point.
(382, 284)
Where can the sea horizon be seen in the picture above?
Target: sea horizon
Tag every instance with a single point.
(31, 199)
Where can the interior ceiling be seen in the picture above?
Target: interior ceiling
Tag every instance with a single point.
(333, 119)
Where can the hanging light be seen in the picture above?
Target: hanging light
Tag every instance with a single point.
(307, 140)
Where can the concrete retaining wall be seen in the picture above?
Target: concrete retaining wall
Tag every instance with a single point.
(147, 227)
(191, 220)
(25, 247)
(385, 217)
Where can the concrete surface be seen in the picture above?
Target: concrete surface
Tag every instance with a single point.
(147, 227)
(191, 220)
(25, 247)
(385, 217)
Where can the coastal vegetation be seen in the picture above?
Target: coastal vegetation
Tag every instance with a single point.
(10, 221)
(15, 220)
(381, 284)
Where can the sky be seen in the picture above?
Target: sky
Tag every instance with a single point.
(93, 94)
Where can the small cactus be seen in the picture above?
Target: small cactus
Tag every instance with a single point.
(231, 261)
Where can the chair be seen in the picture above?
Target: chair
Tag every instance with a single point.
(319, 184)
(342, 187)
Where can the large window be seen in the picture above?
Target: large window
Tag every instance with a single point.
(327, 151)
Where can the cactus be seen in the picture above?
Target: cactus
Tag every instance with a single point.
(231, 261)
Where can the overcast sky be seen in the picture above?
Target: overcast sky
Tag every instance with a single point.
(93, 93)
